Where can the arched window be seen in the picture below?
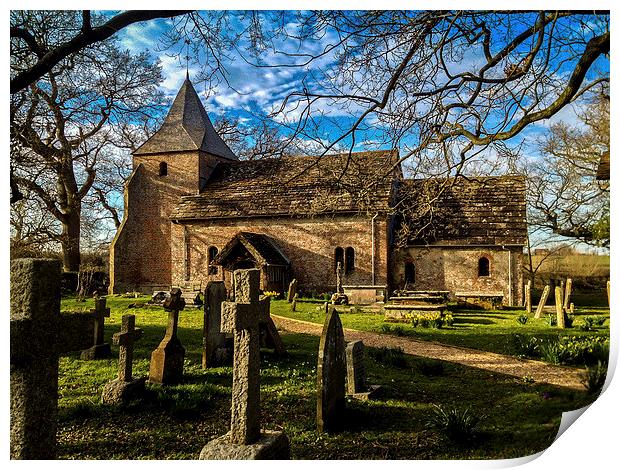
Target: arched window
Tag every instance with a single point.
(211, 255)
(338, 258)
(483, 267)
(163, 169)
(409, 273)
(349, 260)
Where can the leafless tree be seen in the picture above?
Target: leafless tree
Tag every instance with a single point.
(63, 128)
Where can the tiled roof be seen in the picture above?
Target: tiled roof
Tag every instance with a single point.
(186, 127)
(484, 211)
(295, 186)
(603, 167)
(258, 245)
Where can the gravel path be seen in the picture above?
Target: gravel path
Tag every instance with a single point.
(541, 372)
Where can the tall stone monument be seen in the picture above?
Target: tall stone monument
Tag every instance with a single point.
(167, 360)
(99, 349)
(39, 334)
(214, 351)
(245, 439)
(339, 297)
(125, 388)
(331, 374)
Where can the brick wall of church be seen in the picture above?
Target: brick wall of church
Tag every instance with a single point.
(141, 255)
(309, 244)
(455, 269)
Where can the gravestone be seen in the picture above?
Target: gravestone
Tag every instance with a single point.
(99, 349)
(214, 351)
(559, 308)
(331, 373)
(357, 385)
(269, 336)
(528, 297)
(294, 304)
(125, 388)
(167, 360)
(567, 293)
(292, 290)
(39, 334)
(543, 301)
(245, 439)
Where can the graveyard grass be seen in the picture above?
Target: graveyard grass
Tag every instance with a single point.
(478, 329)
(175, 422)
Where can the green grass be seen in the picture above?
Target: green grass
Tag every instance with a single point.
(175, 422)
(477, 329)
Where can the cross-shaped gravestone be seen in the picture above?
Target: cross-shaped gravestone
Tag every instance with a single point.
(242, 318)
(167, 360)
(39, 334)
(99, 349)
(128, 335)
(124, 388)
(339, 288)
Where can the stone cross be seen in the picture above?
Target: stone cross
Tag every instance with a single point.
(292, 290)
(128, 335)
(331, 372)
(543, 301)
(167, 360)
(528, 297)
(567, 293)
(212, 336)
(559, 308)
(39, 334)
(242, 319)
(99, 349)
(339, 288)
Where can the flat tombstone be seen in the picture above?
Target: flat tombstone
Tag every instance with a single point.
(543, 301)
(356, 369)
(39, 333)
(167, 360)
(212, 336)
(292, 290)
(331, 373)
(559, 308)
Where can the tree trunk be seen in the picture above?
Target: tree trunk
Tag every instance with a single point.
(70, 241)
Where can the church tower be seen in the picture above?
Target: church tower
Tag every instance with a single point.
(175, 161)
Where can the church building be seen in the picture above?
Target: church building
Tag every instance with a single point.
(194, 212)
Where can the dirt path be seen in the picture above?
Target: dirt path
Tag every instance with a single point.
(541, 372)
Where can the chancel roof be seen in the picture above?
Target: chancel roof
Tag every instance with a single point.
(187, 127)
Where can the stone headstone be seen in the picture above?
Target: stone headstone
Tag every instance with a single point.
(294, 304)
(125, 388)
(167, 360)
(543, 301)
(292, 290)
(99, 349)
(39, 334)
(212, 337)
(568, 290)
(331, 373)
(528, 297)
(559, 308)
(356, 369)
(245, 439)
(270, 338)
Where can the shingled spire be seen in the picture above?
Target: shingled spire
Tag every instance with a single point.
(187, 127)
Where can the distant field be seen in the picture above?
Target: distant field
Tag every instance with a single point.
(573, 265)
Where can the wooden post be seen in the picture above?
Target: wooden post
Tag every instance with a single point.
(543, 301)
(559, 308)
